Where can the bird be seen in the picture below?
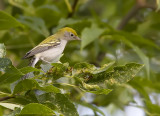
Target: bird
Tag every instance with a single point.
(50, 49)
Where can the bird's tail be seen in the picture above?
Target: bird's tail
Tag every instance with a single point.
(32, 63)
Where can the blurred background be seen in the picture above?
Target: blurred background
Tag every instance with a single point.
(111, 30)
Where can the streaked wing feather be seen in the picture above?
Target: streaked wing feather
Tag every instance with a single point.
(42, 47)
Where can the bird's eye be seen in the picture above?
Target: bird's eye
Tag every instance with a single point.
(72, 34)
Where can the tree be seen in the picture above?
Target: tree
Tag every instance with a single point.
(117, 59)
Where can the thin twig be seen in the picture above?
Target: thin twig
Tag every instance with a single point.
(138, 6)
(134, 10)
(129, 16)
(73, 9)
(6, 98)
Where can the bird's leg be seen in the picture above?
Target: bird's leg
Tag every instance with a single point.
(33, 61)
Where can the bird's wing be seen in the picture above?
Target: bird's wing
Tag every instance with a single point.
(43, 46)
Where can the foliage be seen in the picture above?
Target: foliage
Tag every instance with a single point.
(105, 64)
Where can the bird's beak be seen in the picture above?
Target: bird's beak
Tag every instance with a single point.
(77, 38)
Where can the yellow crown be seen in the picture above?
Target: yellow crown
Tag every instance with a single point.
(69, 30)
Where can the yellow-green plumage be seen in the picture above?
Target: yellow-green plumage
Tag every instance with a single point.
(54, 37)
(52, 46)
(49, 42)
(50, 49)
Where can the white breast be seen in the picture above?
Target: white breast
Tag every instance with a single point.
(53, 54)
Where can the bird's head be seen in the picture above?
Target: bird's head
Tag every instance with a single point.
(69, 33)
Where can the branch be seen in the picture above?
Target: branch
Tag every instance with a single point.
(139, 5)
(73, 9)
(6, 98)
(135, 9)
(129, 16)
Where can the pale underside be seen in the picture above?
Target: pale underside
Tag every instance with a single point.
(52, 55)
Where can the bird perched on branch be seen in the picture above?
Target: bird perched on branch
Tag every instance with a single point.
(50, 49)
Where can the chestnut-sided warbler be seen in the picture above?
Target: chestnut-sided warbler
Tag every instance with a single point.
(50, 49)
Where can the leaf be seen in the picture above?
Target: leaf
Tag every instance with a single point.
(76, 24)
(57, 71)
(153, 108)
(37, 109)
(7, 21)
(68, 5)
(5, 63)
(138, 39)
(86, 71)
(2, 51)
(11, 73)
(120, 74)
(36, 24)
(86, 67)
(64, 105)
(100, 91)
(140, 88)
(142, 56)
(52, 10)
(10, 77)
(63, 22)
(10, 105)
(94, 89)
(90, 34)
(31, 84)
(28, 69)
(94, 108)
(103, 68)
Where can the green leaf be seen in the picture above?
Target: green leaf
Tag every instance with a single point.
(11, 73)
(63, 22)
(10, 77)
(86, 67)
(153, 108)
(2, 51)
(142, 56)
(36, 24)
(5, 63)
(93, 88)
(103, 68)
(52, 10)
(100, 91)
(31, 84)
(87, 71)
(90, 34)
(10, 105)
(28, 69)
(140, 88)
(7, 21)
(68, 5)
(138, 39)
(57, 71)
(76, 24)
(37, 109)
(64, 105)
(120, 74)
